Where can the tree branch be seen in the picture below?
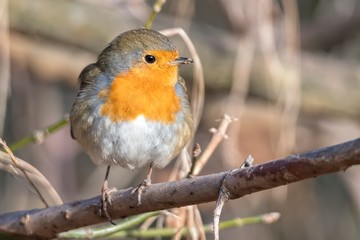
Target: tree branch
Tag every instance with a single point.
(47, 222)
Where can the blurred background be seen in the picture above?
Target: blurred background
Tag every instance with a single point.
(288, 70)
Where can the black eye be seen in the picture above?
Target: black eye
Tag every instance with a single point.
(150, 59)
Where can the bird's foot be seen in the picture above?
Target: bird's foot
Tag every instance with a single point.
(140, 189)
(106, 200)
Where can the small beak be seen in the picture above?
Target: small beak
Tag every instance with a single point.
(181, 60)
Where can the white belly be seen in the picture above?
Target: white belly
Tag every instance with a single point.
(132, 144)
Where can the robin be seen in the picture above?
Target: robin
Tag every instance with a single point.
(132, 108)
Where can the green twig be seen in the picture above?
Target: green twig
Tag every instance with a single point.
(39, 135)
(108, 229)
(123, 228)
(156, 9)
(169, 232)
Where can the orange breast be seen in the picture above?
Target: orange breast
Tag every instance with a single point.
(144, 90)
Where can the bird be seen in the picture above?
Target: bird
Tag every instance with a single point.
(132, 107)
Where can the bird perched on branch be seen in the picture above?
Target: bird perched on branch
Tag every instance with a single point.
(132, 108)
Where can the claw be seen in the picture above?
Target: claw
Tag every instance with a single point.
(106, 197)
(140, 189)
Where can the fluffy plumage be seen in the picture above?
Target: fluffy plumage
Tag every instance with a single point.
(131, 112)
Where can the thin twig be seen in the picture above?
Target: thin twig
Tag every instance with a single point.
(267, 218)
(198, 165)
(199, 223)
(218, 135)
(248, 162)
(224, 196)
(190, 223)
(182, 166)
(107, 230)
(156, 9)
(8, 165)
(17, 164)
(195, 157)
(39, 135)
(198, 94)
(124, 228)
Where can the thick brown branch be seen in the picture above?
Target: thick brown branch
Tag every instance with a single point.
(48, 222)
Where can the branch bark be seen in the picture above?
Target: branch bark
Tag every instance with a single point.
(47, 222)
